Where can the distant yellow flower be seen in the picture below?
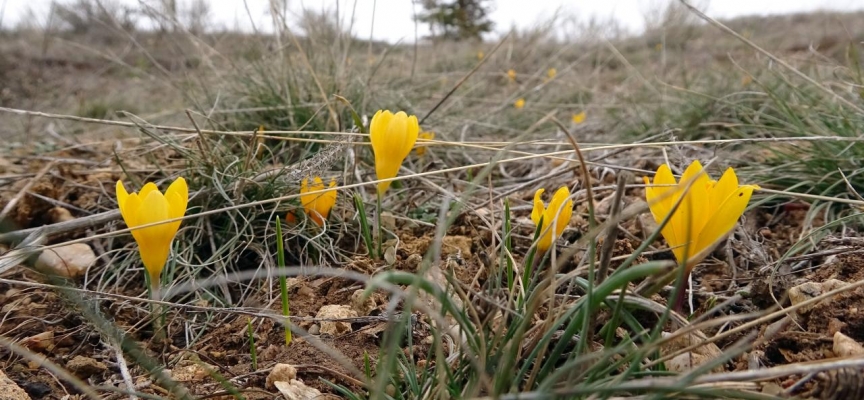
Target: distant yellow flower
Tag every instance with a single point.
(317, 205)
(579, 118)
(551, 73)
(708, 212)
(512, 75)
(392, 136)
(555, 217)
(519, 103)
(421, 148)
(480, 55)
(150, 206)
(746, 80)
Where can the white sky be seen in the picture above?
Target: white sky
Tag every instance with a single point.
(394, 18)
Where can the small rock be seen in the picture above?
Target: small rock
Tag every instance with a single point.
(388, 221)
(390, 255)
(281, 373)
(69, 261)
(361, 303)
(297, 390)
(835, 325)
(85, 367)
(456, 245)
(844, 346)
(195, 372)
(686, 361)
(305, 291)
(38, 361)
(314, 329)
(413, 262)
(59, 214)
(335, 328)
(40, 341)
(809, 290)
(9, 390)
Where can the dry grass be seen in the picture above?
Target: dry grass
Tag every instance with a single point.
(448, 312)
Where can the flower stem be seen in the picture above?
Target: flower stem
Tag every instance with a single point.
(156, 310)
(283, 285)
(380, 237)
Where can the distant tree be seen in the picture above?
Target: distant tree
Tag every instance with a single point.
(457, 19)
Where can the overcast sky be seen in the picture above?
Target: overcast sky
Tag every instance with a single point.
(394, 18)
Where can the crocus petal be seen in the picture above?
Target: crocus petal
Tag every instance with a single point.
(155, 241)
(539, 209)
(122, 195)
(693, 209)
(148, 187)
(661, 199)
(726, 216)
(727, 185)
(178, 198)
(317, 205)
(560, 210)
(380, 121)
(133, 204)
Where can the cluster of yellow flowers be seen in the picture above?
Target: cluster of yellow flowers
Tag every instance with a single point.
(703, 211)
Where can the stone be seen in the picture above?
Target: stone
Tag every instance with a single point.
(335, 311)
(808, 290)
(9, 390)
(193, 372)
(70, 261)
(388, 221)
(85, 367)
(413, 262)
(297, 390)
(281, 373)
(40, 341)
(844, 346)
(59, 214)
(363, 305)
(687, 361)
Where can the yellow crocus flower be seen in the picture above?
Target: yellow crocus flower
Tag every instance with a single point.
(392, 136)
(579, 118)
(480, 55)
(421, 148)
(550, 74)
(512, 75)
(707, 213)
(317, 205)
(150, 206)
(519, 103)
(555, 217)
